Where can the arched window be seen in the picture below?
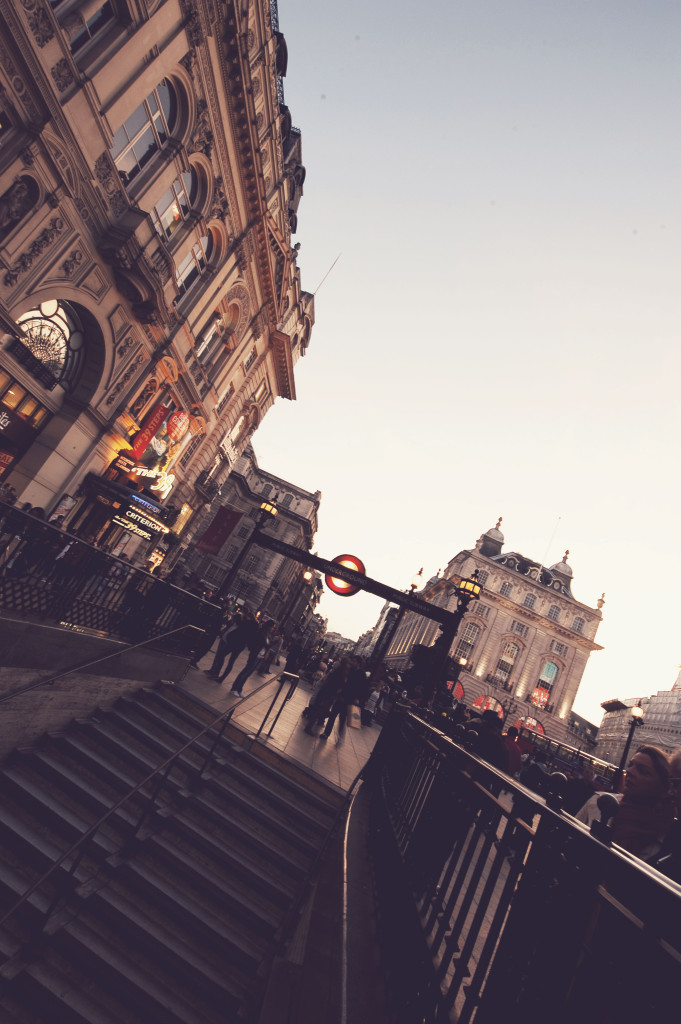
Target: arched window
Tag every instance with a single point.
(146, 131)
(505, 589)
(174, 206)
(529, 601)
(51, 347)
(194, 264)
(488, 703)
(470, 634)
(531, 724)
(554, 612)
(502, 673)
(541, 694)
(578, 625)
(548, 674)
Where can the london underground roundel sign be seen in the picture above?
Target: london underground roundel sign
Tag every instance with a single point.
(340, 586)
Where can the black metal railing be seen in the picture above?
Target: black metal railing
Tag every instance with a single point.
(80, 666)
(495, 905)
(48, 574)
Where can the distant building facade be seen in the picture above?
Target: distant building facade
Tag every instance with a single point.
(265, 580)
(660, 725)
(151, 308)
(523, 647)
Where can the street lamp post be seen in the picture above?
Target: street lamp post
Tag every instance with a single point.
(381, 651)
(636, 719)
(467, 590)
(268, 511)
(307, 578)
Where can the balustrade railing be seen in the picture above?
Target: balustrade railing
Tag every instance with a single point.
(495, 905)
(49, 574)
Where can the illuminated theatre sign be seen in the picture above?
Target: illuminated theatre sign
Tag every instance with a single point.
(164, 481)
(141, 523)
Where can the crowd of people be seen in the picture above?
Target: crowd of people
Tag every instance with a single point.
(647, 814)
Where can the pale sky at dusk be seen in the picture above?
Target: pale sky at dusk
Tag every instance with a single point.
(500, 334)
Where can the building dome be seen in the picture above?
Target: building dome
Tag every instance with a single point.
(562, 568)
(491, 543)
(495, 533)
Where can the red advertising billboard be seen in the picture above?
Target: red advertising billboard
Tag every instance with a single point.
(150, 427)
(224, 521)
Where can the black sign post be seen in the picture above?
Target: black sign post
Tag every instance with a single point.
(407, 601)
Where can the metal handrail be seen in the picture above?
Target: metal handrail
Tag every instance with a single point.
(163, 768)
(48, 680)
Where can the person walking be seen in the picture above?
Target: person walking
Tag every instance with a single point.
(351, 691)
(325, 696)
(229, 643)
(258, 639)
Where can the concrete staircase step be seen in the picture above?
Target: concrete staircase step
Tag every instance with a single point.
(175, 926)
(240, 772)
(273, 780)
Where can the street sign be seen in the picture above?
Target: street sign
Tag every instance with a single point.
(409, 601)
(340, 586)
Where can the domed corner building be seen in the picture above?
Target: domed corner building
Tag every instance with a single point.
(522, 647)
(151, 307)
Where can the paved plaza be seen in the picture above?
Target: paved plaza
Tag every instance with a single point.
(338, 763)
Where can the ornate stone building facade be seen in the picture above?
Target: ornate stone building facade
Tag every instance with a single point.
(151, 308)
(264, 580)
(523, 647)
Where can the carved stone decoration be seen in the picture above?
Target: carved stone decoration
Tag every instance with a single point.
(19, 199)
(107, 176)
(258, 326)
(239, 295)
(70, 264)
(19, 86)
(62, 75)
(250, 39)
(202, 138)
(259, 121)
(42, 242)
(220, 207)
(257, 87)
(161, 264)
(38, 22)
(124, 347)
(192, 22)
(188, 62)
(149, 389)
(120, 384)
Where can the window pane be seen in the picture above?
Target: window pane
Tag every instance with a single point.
(166, 97)
(127, 165)
(137, 121)
(28, 407)
(145, 147)
(160, 127)
(120, 141)
(13, 396)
